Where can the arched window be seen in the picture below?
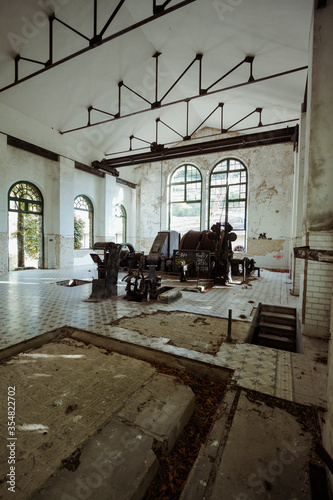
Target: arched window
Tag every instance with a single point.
(121, 224)
(185, 199)
(25, 216)
(83, 222)
(228, 198)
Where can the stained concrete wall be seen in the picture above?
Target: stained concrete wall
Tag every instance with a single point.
(316, 279)
(270, 183)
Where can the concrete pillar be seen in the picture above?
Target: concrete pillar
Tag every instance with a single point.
(3, 206)
(59, 247)
(109, 208)
(317, 280)
(131, 220)
(298, 203)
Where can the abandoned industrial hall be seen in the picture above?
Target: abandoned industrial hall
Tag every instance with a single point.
(166, 249)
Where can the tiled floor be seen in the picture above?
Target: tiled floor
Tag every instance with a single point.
(31, 305)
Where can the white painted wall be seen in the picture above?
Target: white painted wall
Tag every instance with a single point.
(60, 182)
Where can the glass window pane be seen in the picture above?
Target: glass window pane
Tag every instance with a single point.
(219, 178)
(185, 217)
(218, 194)
(193, 191)
(221, 167)
(178, 193)
(236, 214)
(234, 192)
(179, 175)
(234, 178)
(192, 174)
(235, 165)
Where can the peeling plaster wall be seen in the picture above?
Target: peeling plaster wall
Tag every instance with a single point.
(319, 208)
(316, 279)
(270, 170)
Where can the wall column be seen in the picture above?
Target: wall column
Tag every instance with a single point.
(317, 279)
(63, 240)
(3, 206)
(109, 208)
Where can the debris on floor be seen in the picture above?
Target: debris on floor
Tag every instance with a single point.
(191, 331)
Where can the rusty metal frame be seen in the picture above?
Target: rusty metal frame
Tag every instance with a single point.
(312, 254)
(156, 146)
(262, 138)
(97, 39)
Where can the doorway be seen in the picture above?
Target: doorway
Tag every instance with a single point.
(25, 226)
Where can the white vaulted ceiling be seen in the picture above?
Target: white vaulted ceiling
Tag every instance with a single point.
(275, 32)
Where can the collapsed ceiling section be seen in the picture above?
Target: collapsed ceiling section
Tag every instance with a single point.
(133, 78)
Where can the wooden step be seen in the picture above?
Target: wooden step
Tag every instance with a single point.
(279, 309)
(279, 330)
(284, 343)
(278, 318)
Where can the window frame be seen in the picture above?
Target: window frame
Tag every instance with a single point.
(39, 203)
(123, 216)
(242, 169)
(91, 218)
(184, 183)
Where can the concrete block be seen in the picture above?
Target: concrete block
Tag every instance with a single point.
(160, 408)
(116, 463)
(169, 296)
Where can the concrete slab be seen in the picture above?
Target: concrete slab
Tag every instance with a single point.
(117, 463)
(76, 405)
(197, 332)
(262, 453)
(162, 408)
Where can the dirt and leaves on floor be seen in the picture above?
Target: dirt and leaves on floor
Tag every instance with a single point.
(175, 467)
(197, 332)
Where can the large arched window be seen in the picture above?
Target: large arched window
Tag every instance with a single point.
(228, 198)
(25, 217)
(121, 224)
(83, 222)
(185, 199)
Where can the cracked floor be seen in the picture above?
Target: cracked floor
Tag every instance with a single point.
(31, 304)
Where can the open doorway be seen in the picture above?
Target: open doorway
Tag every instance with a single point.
(25, 226)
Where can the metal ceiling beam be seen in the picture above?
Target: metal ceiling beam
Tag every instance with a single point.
(202, 93)
(230, 143)
(96, 41)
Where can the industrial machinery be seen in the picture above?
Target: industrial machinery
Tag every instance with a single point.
(106, 284)
(161, 252)
(207, 254)
(142, 288)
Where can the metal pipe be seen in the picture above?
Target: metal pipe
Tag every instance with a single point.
(228, 338)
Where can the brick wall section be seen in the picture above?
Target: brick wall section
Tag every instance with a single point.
(319, 282)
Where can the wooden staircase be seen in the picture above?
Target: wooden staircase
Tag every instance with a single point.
(277, 327)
